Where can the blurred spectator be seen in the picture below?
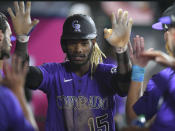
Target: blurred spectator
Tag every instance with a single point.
(141, 12)
(80, 8)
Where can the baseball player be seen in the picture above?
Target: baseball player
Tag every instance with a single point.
(157, 103)
(80, 90)
(14, 111)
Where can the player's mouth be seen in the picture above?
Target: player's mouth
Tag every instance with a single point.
(78, 57)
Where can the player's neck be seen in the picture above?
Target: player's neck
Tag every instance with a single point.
(81, 70)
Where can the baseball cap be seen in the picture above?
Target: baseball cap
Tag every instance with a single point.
(167, 20)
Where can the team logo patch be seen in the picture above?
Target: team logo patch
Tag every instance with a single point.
(114, 70)
(76, 26)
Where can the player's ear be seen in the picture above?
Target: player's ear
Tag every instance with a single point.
(93, 41)
(165, 36)
(1, 36)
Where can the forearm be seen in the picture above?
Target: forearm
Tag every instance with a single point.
(134, 91)
(21, 49)
(133, 96)
(123, 71)
(124, 62)
(25, 107)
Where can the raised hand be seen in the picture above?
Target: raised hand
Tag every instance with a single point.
(14, 75)
(137, 50)
(119, 35)
(21, 19)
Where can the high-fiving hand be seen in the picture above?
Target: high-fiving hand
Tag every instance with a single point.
(160, 57)
(119, 35)
(21, 20)
(137, 50)
(14, 75)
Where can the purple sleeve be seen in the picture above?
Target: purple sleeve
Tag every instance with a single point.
(170, 86)
(148, 103)
(11, 113)
(48, 70)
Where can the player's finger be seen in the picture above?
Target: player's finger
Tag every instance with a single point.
(6, 68)
(21, 6)
(134, 47)
(25, 68)
(130, 50)
(113, 20)
(18, 64)
(141, 44)
(130, 22)
(107, 33)
(16, 6)
(11, 13)
(152, 54)
(28, 7)
(130, 47)
(137, 45)
(125, 18)
(119, 15)
(34, 22)
(13, 64)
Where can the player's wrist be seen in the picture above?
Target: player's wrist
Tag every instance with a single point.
(137, 73)
(23, 38)
(120, 50)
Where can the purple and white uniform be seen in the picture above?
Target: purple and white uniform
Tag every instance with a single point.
(11, 115)
(161, 84)
(79, 103)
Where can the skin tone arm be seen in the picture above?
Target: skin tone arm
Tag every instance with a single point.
(135, 87)
(14, 79)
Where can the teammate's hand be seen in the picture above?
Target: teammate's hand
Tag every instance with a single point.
(21, 19)
(137, 50)
(160, 57)
(119, 35)
(14, 75)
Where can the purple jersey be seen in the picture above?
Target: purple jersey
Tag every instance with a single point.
(11, 115)
(161, 84)
(79, 103)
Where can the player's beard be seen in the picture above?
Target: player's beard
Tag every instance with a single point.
(83, 63)
(4, 50)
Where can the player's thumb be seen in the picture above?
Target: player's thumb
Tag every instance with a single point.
(35, 22)
(107, 33)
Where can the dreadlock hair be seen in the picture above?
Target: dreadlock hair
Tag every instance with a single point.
(3, 24)
(96, 58)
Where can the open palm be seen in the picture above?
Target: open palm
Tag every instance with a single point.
(137, 50)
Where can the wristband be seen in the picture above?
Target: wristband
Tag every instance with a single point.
(120, 50)
(22, 38)
(137, 73)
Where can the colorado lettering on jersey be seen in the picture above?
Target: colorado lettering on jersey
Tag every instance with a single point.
(82, 102)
